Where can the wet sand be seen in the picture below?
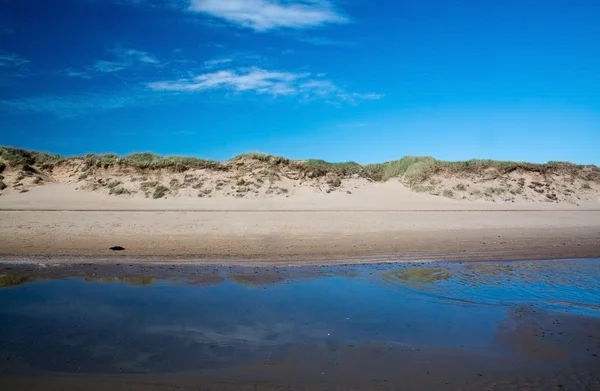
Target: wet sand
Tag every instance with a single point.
(442, 326)
(300, 237)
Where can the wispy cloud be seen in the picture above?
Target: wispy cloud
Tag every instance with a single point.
(122, 59)
(255, 79)
(216, 63)
(150, 3)
(11, 60)
(264, 82)
(263, 15)
(70, 72)
(75, 105)
(321, 41)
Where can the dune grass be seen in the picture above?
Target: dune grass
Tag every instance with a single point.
(14, 157)
(413, 170)
(148, 161)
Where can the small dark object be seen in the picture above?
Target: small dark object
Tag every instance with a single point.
(117, 248)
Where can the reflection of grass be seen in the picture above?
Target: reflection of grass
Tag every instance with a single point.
(417, 276)
(9, 280)
(256, 279)
(490, 268)
(136, 280)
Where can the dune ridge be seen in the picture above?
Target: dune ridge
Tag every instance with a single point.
(261, 176)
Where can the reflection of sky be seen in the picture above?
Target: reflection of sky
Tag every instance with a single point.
(69, 325)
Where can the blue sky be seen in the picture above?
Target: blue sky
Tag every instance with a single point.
(355, 80)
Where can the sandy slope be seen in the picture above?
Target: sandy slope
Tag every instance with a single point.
(381, 221)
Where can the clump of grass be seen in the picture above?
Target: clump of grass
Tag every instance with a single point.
(333, 180)
(476, 192)
(321, 167)
(148, 185)
(423, 188)
(149, 161)
(491, 191)
(2, 186)
(83, 176)
(273, 176)
(263, 157)
(414, 169)
(448, 193)
(586, 186)
(516, 191)
(160, 191)
(15, 157)
(113, 184)
(460, 187)
(120, 191)
(174, 183)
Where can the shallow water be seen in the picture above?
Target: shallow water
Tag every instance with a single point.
(445, 325)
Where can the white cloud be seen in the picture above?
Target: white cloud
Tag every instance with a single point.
(216, 63)
(11, 60)
(264, 82)
(262, 15)
(254, 79)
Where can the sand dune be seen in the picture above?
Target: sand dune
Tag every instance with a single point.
(313, 216)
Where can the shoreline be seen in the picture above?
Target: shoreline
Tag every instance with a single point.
(324, 237)
(296, 250)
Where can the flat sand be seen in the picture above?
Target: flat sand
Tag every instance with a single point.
(386, 222)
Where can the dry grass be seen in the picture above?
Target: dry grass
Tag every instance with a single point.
(120, 191)
(448, 193)
(160, 191)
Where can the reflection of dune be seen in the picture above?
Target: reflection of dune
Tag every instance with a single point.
(262, 278)
(10, 280)
(417, 276)
(129, 280)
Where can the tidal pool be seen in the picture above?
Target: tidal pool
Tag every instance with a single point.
(470, 325)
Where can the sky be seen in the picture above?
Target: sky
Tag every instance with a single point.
(360, 80)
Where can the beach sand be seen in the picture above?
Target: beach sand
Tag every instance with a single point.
(380, 222)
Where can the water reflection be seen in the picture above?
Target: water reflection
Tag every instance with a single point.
(134, 280)
(558, 284)
(11, 280)
(227, 321)
(417, 276)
